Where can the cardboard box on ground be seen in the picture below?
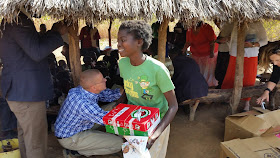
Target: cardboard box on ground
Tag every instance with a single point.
(257, 147)
(257, 122)
(262, 125)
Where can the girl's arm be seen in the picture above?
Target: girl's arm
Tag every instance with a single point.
(170, 114)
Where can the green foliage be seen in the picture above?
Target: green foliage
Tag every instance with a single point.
(272, 28)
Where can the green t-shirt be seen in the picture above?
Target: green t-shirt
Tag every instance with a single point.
(145, 84)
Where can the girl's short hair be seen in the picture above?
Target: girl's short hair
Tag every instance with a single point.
(267, 51)
(140, 30)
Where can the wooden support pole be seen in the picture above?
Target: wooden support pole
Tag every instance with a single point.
(109, 33)
(162, 38)
(238, 81)
(74, 53)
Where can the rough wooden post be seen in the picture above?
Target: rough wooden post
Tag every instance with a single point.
(74, 53)
(238, 81)
(162, 38)
(109, 33)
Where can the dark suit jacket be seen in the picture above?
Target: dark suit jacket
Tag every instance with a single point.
(189, 82)
(26, 74)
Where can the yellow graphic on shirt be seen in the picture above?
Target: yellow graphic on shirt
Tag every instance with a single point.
(128, 86)
(144, 84)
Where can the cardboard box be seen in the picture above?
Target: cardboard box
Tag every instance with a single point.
(257, 122)
(132, 120)
(257, 147)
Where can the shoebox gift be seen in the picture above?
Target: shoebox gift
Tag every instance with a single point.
(133, 120)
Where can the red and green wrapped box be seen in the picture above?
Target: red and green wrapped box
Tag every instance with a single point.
(133, 120)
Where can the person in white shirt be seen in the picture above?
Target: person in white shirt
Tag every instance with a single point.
(223, 51)
(255, 37)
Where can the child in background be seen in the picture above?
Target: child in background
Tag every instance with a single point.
(147, 81)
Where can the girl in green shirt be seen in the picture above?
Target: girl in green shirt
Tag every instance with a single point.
(146, 80)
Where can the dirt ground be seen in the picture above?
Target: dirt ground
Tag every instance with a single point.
(188, 139)
(200, 138)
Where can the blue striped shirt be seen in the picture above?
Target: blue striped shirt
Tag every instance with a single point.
(80, 111)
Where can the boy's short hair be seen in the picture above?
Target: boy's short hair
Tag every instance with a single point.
(140, 30)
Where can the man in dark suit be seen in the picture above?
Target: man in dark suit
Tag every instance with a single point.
(26, 80)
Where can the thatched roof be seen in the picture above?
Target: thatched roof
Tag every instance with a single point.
(94, 10)
(90, 10)
(229, 10)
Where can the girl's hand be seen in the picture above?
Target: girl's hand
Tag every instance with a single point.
(264, 97)
(150, 142)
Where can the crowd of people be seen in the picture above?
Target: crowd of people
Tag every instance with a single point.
(216, 56)
(33, 79)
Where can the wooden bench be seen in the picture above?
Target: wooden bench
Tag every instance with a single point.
(224, 95)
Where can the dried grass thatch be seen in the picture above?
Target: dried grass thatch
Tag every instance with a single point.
(96, 10)
(228, 10)
(90, 10)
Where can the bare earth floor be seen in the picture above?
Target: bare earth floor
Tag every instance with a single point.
(197, 139)
(200, 138)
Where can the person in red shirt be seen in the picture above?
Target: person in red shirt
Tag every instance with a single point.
(89, 37)
(85, 37)
(201, 40)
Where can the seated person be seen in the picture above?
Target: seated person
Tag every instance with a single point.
(61, 65)
(88, 63)
(52, 64)
(63, 77)
(102, 67)
(80, 112)
(113, 69)
(106, 51)
(189, 82)
(65, 52)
